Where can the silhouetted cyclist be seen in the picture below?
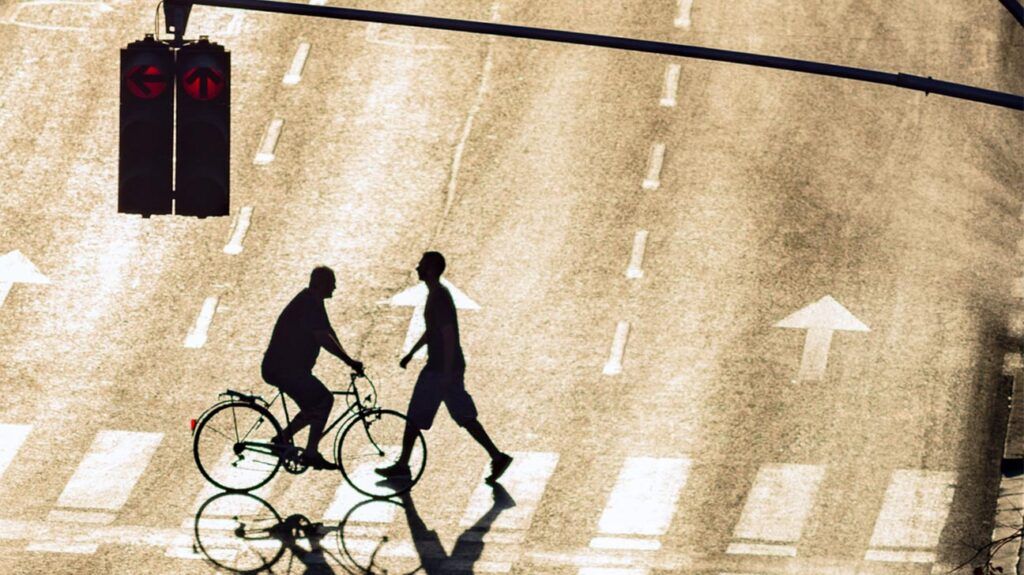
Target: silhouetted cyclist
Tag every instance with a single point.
(442, 379)
(301, 330)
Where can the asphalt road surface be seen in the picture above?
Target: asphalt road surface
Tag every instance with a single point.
(729, 320)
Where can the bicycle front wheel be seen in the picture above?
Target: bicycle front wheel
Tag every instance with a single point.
(232, 446)
(373, 440)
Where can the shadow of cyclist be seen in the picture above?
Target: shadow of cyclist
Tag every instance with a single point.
(468, 547)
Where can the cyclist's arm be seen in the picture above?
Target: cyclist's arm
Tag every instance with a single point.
(329, 341)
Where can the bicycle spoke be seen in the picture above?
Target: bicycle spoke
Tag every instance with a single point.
(218, 432)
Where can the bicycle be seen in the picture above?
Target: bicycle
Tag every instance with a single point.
(232, 448)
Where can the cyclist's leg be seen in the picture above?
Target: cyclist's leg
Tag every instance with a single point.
(312, 397)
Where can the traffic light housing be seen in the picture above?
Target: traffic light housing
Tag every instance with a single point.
(146, 128)
(203, 144)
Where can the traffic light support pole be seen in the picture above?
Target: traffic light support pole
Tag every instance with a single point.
(926, 85)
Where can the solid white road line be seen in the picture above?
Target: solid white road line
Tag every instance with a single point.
(612, 571)
(777, 507)
(643, 500)
(108, 473)
(668, 95)
(636, 260)
(196, 337)
(912, 517)
(234, 245)
(269, 144)
(653, 179)
(614, 365)
(683, 16)
(294, 73)
(12, 435)
(625, 543)
(525, 480)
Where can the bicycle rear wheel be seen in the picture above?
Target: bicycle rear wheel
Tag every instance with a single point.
(232, 446)
(372, 440)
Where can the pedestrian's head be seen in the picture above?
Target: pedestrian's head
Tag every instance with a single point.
(431, 266)
(321, 281)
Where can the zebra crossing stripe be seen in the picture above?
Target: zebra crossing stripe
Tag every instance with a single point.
(11, 438)
(525, 481)
(346, 497)
(101, 484)
(913, 515)
(643, 500)
(108, 473)
(777, 507)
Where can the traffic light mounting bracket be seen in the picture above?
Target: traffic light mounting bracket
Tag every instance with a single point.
(176, 20)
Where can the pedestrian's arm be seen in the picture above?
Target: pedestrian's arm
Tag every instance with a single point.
(422, 341)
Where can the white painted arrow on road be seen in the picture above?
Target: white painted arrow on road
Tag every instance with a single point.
(820, 319)
(16, 268)
(416, 297)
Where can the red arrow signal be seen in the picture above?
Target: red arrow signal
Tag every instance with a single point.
(146, 82)
(203, 82)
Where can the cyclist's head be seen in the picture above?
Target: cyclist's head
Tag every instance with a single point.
(431, 266)
(322, 281)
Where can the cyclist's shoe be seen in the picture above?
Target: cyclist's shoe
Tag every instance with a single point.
(316, 461)
(498, 466)
(395, 471)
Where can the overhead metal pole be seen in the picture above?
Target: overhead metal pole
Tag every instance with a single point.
(926, 85)
(1016, 9)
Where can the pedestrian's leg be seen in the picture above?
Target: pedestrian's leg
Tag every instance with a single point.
(477, 431)
(408, 441)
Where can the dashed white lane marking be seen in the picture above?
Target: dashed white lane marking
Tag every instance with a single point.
(108, 473)
(683, 16)
(671, 90)
(294, 73)
(653, 179)
(235, 25)
(643, 500)
(525, 482)
(12, 436)
(318, 2)
(196, 337)
(234, 245)
(266, 153)
(614, 364)
(912, 517)
(776, 509)
(636, 260)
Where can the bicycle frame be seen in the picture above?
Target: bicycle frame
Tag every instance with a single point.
(351, 412)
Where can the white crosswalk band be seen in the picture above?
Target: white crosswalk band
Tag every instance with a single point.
(643, 500)
(346, 498)
(108, 473)
(776, 508)
(11, 438)
(525, 481)
(913, 516)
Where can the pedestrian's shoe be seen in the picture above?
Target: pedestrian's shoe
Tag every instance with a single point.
(395, 471)
(498, 466)
(316, 461)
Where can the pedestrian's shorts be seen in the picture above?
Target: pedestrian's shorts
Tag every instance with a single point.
(430, 391)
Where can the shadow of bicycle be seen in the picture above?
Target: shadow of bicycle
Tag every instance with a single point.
(243, 533)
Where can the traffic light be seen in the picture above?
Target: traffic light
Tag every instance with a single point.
(203, 130)
(146, 128)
